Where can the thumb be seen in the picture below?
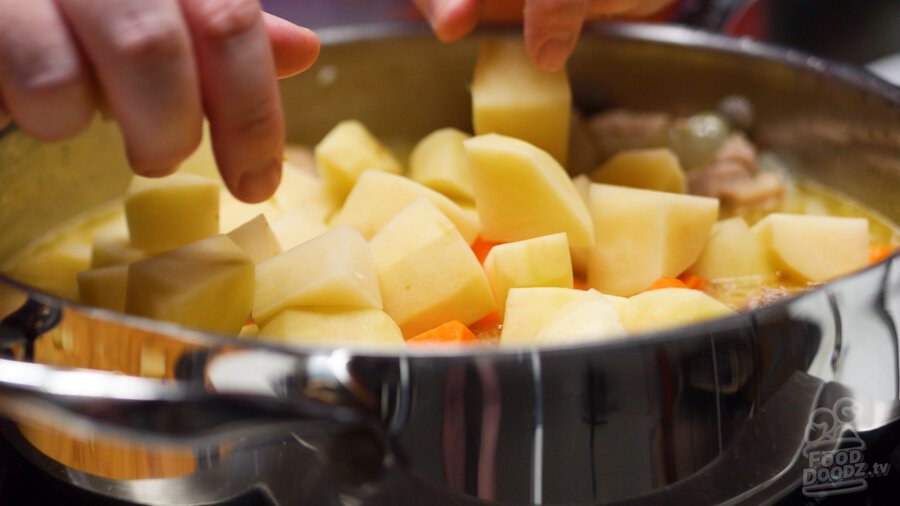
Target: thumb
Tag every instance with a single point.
(552, 28)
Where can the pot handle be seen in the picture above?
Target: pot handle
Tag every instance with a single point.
(276, 388)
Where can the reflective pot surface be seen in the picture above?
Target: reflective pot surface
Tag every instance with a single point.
(700, 414)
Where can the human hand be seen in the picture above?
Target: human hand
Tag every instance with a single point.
(551, 26)
(160, 65)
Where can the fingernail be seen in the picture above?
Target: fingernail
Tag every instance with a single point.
(258, 183)
(553, 54)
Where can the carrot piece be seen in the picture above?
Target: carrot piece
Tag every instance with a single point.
(665, 282)
(450, 332)
(878, 252)
(482, 248)
(580, 284)
(693, 281)
(491, 321)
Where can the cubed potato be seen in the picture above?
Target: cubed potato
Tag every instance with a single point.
(643, 235)
(233, 213)
(651, 169)
(580, 255)
(511, 96)
(522, 192)
(379, 196)
(104, 287)
(345, 153)
(439, 162)
(113, 250)
(670, 307)
(207, 285)
(542, 261)
(53, 267)
(815, 248)
(590, 317)
(333, 269)
(302, 189)
(427, 272)
(529, 309)
(256, 239)
(332, 326)
(733, 251)
(170, 212)
(296, 226)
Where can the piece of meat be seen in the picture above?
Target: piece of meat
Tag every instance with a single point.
(737, 148)
(618, 129)
(714, 178)
(732, 176)
(762, 186)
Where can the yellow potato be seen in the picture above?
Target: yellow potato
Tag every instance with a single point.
(510, 96)
(170, 212)
(206, 285)
(427, 272)
(345, 153)
(522, 192)
(333, 269)
(542, 261)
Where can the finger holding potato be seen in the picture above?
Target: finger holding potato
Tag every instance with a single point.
(159, 66)
(551, 26)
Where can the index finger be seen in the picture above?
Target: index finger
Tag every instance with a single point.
(240, 93)
(552, 28)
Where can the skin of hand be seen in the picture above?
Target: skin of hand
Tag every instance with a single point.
(551, 26)
(160, 66)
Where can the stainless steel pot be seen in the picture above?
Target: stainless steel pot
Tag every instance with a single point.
(716, 412)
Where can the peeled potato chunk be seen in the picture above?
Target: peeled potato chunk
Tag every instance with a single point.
(529, 309)
(333, 269)
(549, 316)
(815, 248)
(643, 235)
(301, 189)
(347, 151)
(732, 251)
(379, 196)
(670, 307)
(332, 326)
(511, 96)
(651, 169)
(427, 272)
(107, 251)
(256, 239)
(439, 162)
(104, 287)
(296, 226)
(522, 192)
(206, 285)
(590, 317)
(542, 261)
(170, 212)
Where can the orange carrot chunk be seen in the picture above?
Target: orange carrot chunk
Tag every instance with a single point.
(693, 281)
(579, 283)
(482, 248)
(447, 333)
(665, 282)
(878, 252)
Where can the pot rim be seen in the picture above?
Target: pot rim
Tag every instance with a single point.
(851, 75)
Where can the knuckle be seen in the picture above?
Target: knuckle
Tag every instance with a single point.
(147, 36)
(40, 79)
(258, 122)
(227, 19)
